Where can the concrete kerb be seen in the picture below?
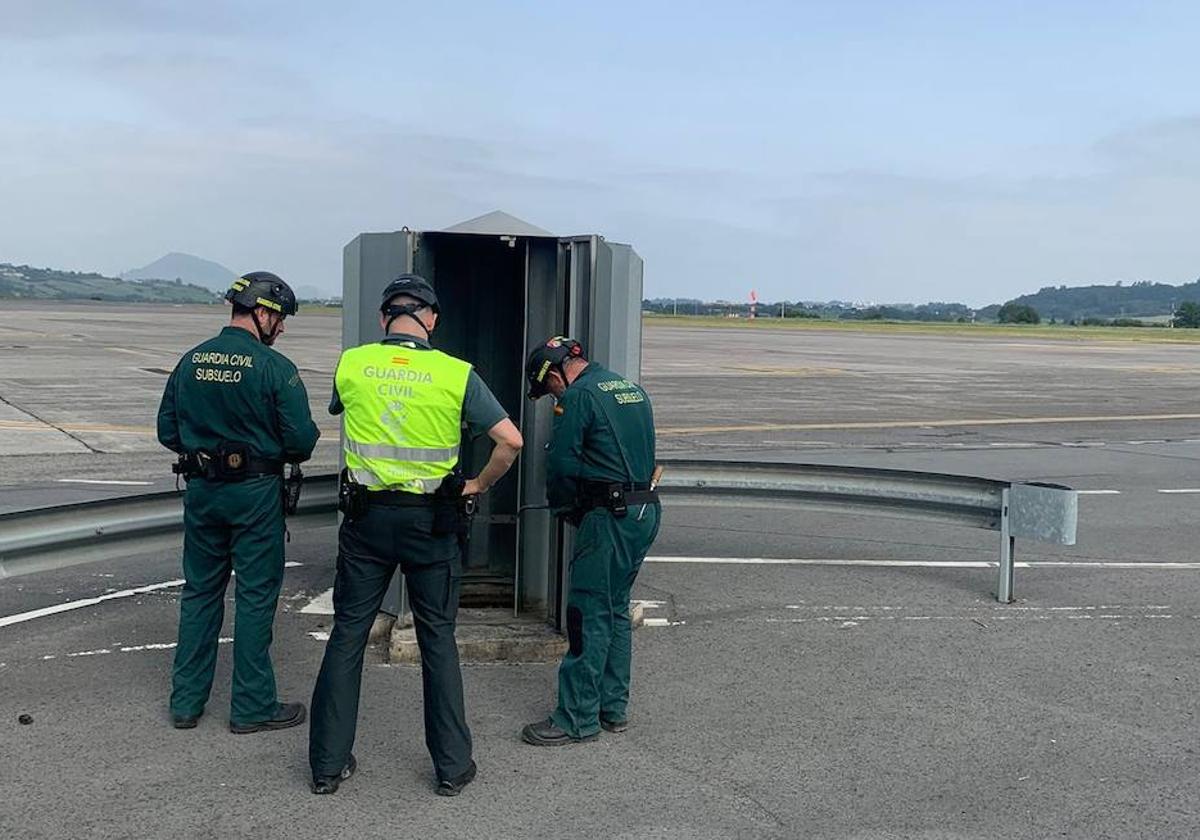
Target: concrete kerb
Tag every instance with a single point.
(489, 636)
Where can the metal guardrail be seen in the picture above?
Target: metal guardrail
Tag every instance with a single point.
(1044, 512)
(58, 537)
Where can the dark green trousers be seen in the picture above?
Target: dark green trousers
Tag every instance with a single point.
(593, 679)
(369, 551)
(229, 527)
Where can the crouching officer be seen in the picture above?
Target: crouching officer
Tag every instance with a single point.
(236, 411)
(599, 473)
(404, 407)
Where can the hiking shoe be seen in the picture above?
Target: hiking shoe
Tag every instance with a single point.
(546, 733)
(614, 726)
(185, 721)
(287, 716)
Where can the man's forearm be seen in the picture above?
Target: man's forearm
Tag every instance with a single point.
(498, 464)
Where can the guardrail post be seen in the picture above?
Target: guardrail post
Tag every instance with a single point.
(1004, 586)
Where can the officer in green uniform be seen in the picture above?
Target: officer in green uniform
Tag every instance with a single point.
(404, 408)
(236, 411)
(599, 477)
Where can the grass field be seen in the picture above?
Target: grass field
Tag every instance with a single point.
(1060, 332)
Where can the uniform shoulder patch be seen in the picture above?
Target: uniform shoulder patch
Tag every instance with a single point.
(559, 410)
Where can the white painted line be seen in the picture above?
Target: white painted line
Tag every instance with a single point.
(224, 640)
(1098, 492)
(922, 564)
(321, 605)
(1182, 490)
(320, 635)
(1143, 442)
(1014, 445)
(1085, 444)
(104, 481)
(660, 622)
(19, 618)
(87, 602)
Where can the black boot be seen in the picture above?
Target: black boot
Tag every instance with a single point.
(546, 733)
(453, 787)
(287, 716)
(330, 784)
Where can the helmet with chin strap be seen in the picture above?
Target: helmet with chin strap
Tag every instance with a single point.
(547, 357)
(413, 286)
(262, 288)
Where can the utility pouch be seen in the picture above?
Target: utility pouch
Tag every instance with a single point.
(232, 460)
(614, 500)
(353, 501)
(291, 490)
(447, 505)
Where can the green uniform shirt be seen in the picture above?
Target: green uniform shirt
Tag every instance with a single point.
(235, 388)
(481, 410)
(603, 431)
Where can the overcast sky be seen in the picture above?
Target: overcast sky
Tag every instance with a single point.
(873, 151)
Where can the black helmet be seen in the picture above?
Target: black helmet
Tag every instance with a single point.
(552, 354)
(413, 285)
(262, 288)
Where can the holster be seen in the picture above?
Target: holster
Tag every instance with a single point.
(452, 511)
(353, 500)
(291, 490)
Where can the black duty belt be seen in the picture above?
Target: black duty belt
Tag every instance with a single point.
(226, 464)
(398, 498)
(616, 496)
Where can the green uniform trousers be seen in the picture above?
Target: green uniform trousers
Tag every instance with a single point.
(593, 679)
(235, 526)
(369, 550)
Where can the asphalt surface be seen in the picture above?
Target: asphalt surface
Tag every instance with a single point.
(875, 690)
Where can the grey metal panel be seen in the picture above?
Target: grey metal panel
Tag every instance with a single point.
(617, 309)
(369, 263)
(1045, 512)
(538, 536)
(579, 273)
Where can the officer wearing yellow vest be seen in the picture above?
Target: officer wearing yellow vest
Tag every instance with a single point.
(404, 407)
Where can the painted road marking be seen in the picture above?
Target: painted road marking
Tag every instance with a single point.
(1182, 490)
(224, 640)
(1098, 492)
(920, 424)
(104, 481)
(320, 605)
(19, 618)
(922, 564)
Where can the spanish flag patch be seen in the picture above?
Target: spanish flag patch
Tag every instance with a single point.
(559, 411)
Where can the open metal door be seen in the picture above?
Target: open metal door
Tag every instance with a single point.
(603, 285)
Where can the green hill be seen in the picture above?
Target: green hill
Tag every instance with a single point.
(1136, 300)
(27, 283)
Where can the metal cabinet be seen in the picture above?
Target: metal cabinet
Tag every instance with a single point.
(505, 286)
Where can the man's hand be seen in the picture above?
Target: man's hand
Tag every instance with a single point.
(473, 488)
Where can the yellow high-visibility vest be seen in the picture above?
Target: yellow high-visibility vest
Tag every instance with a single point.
(403, 415)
